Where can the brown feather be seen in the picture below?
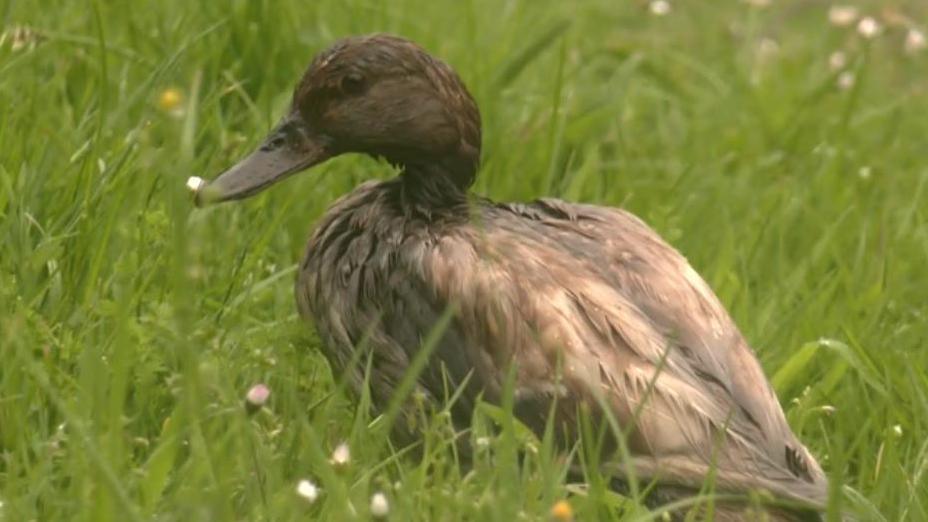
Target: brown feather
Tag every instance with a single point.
(587, 304)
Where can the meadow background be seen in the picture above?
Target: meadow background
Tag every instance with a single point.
(783, 153)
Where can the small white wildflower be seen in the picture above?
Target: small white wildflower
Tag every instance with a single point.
(195, 183)
(767, 47)
(865, 172)
(897, 430)
(659, 7)
(341, 456)
(307, 490)
(915, 41)
(842, 15)
(845, 80)
(837, 60)
(868, 27)
(380, 506)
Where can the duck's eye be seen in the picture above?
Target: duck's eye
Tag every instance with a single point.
(352, 83)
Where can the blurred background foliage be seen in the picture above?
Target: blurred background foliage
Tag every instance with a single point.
(780, 145)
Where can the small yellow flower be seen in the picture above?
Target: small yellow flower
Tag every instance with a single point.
(170, 99)
(562, 512)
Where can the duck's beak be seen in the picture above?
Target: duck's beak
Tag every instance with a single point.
(291, 147)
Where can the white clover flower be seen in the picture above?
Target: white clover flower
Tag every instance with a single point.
(837, 60)
(846, 80)
(194, 183)
(842, 15)
(915, 41)
(256, 397)
(768, 47)
(868, 27)
(258, 394)
(308, 490)
(341, 456)
(659, 7)
(380, 506)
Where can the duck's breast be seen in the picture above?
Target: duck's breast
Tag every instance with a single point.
(588, 303)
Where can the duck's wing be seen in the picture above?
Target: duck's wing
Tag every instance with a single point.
(588, 302)
(612, 292)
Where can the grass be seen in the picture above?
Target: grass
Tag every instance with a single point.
(131, 324)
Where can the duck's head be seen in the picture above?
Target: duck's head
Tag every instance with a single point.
(379, 95)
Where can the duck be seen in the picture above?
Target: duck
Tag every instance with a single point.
(569, 306)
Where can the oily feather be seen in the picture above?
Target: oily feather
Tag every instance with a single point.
(586, 302)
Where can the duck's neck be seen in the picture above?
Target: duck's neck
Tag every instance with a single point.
(436, 185)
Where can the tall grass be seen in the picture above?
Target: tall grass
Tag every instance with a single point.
(131, 324)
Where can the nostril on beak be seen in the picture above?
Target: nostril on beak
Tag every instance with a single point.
(274, 143)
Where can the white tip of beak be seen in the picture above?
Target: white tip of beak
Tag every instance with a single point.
(195, 183)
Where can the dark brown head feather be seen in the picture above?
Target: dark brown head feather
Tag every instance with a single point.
(385, 96)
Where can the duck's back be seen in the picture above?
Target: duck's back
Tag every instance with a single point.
(645, 308)
(588, 303)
